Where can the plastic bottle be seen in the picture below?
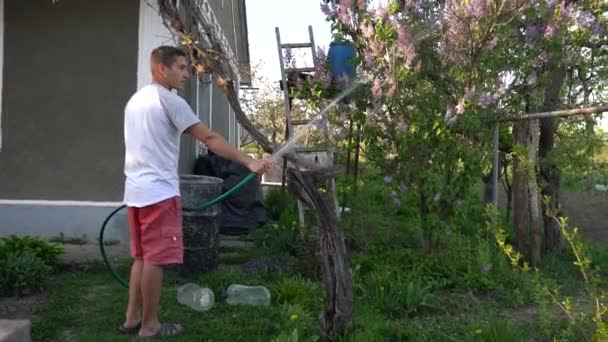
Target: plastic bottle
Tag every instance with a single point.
(250, 295)
(195, 297)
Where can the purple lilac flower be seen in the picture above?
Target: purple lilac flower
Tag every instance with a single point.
(532, 31)
(368, 58)
(367, 30)
(390, 81)
(412, 4)
(406, 44)
(487, 99)
(475, 8)
(586, 20)
(377, 88)
(347, 4)
(326, 10)
(551, 30)
(344, 15)
(381, 11)
(388, 179)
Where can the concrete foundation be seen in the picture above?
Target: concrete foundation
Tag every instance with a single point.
(73, 220)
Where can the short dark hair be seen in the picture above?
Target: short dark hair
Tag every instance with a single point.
(166, 55)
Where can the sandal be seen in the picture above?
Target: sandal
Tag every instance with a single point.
(131, 330)
(165, 330)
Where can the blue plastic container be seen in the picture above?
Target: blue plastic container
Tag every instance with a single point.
(340, 58)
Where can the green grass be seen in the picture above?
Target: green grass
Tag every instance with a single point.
(465, 292)
(89, 305)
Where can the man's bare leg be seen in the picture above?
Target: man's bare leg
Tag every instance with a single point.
(151, 285)
(133, 315)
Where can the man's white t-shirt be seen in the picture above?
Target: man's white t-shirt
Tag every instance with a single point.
(155, 119)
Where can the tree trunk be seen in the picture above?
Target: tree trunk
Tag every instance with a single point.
(536, 217)
(507, 186)
(521, 214)
(339, 309)
(549, 174)
(488, 184)
(590, 131)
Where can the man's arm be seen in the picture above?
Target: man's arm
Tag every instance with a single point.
(216, 143)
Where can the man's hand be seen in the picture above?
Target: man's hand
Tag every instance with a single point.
(258, 166)
(220, 146)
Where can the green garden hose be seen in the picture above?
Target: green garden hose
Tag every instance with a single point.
(197, 208)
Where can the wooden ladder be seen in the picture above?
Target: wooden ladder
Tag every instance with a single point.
(290, 123)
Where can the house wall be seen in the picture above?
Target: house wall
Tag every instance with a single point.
(69, 68)
(232, 16)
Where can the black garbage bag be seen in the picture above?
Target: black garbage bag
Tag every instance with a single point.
(243, 211)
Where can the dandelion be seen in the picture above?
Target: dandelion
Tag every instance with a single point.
(293, 317)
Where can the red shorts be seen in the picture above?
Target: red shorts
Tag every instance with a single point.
(156, 232)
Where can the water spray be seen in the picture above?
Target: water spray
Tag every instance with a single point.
(315, 121)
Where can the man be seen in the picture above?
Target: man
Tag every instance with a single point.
(155, 118)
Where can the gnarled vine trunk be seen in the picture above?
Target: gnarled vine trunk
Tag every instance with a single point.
(339, 310)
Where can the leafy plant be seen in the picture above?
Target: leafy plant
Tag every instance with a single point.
(297, 290)
(501, 330)
(40, 248)
(22, 273)
(395, 295)
(279, 238)
(300, 321)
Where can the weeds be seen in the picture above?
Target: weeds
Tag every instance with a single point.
(578, 317)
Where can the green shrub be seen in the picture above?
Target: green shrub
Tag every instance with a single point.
(46, 251)
(22, 273)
